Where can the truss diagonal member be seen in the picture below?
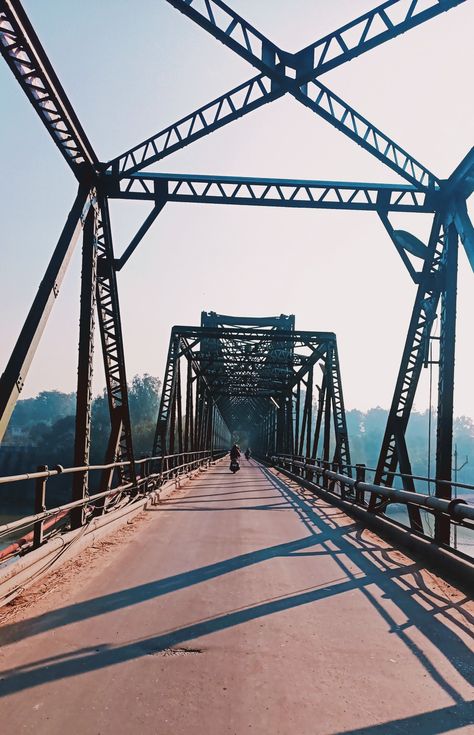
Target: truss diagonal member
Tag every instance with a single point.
(393, 234)
(134, 243)
(29, 63)
(224, 109)
(332, 108)
(388, 20)
(229, 27)
(293, 71)
(13, 379)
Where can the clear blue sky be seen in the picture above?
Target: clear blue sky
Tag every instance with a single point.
(132, 68)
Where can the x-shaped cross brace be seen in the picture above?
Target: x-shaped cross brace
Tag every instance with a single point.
(297, 74)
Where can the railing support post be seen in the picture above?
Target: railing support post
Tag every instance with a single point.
(40, 506)
(360, 477)
(326, 466)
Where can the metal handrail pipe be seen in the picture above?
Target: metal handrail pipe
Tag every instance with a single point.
(463, 485)
(349, 481)
(29, 520)
(59, 470)
(457, 509)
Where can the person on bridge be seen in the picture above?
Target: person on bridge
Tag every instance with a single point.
(234, 458)
(235, 452)
(248, 453)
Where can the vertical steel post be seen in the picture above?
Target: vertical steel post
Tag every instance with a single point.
(297, 418)
(327, 426)
(179, 409)
(444, 439)
(319, 418)
(309, 420)
(40, 506)
(85, 367)
(360, 477)
(110, 325)
(188, 408)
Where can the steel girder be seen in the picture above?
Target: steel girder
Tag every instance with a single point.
(272, 192)
(27, 59)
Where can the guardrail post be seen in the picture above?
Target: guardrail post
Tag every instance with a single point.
(318, 471)
(342, 487)
(360, 477)
(326, 466)
(309, 471)
(40, 506)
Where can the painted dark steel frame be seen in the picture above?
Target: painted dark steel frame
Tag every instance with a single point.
(281, 72)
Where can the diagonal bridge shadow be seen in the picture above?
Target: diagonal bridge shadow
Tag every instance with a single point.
(401, 584)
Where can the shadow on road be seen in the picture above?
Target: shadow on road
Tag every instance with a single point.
(401, 584)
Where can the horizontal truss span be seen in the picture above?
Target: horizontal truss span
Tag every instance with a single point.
(301, 337)
(272, 192)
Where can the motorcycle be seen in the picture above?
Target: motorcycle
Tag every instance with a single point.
(234, 465)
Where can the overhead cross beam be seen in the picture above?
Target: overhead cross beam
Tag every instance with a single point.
(29, 63)
(272, 192)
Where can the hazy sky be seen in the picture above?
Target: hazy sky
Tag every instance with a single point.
(132, 68)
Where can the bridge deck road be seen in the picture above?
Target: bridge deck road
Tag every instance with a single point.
(237, 606)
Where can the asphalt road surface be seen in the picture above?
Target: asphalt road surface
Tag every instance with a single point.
(237, 606)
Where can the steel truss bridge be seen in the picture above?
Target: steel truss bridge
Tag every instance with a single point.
(231, 374)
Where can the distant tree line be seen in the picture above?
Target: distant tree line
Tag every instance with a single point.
(366, 432)
(41, 431)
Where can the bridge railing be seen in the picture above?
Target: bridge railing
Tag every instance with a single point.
(330, 479)
(151, 473)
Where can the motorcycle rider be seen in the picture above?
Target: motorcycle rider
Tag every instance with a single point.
(248, 453)
(234, 458)
(235, 452)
